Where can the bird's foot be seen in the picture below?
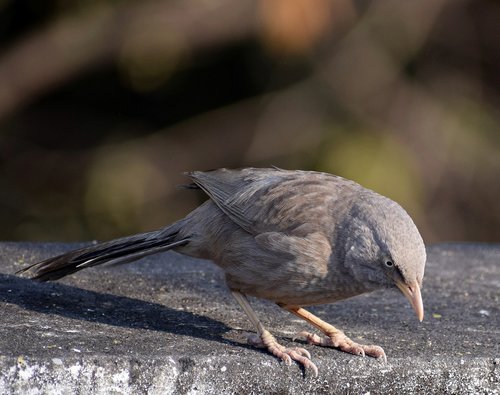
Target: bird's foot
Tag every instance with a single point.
(342, 342)
(301, 355)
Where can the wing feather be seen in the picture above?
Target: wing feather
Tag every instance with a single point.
(264, 200)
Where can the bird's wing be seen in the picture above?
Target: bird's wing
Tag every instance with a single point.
(275, 200)
(295, 253)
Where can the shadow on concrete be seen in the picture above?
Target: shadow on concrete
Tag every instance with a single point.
(121, 311)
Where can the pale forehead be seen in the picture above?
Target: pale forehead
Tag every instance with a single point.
(394, 232)
(404, 241)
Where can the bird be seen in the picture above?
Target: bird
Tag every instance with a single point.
(294, 237)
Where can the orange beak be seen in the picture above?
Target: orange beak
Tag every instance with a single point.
(412, 293)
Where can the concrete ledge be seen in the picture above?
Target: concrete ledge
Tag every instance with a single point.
(167, 324)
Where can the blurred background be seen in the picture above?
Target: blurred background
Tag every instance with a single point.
(104, 103)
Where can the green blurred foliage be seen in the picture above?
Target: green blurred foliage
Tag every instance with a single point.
(103, 105)
(377, 161)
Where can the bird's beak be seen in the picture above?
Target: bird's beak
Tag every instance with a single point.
(412, 292)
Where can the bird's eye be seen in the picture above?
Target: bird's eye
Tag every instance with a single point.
(389, 263)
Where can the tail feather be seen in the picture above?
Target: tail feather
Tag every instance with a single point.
(122, 250)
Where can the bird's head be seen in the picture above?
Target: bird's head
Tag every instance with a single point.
(383, 248)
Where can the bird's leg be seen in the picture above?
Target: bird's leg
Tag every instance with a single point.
(334, 337)
(268, 341)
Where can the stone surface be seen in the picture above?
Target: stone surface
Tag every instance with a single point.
(167, 324)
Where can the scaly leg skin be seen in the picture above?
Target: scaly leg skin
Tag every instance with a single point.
(334, 337)
(268, 341)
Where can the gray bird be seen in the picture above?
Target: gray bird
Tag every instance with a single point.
(297, 238)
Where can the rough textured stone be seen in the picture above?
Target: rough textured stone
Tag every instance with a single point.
(167, 324)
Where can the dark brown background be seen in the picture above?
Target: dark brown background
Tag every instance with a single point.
(103, 105)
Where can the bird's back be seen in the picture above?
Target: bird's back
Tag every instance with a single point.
(262, 200)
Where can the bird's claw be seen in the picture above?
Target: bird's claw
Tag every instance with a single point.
(299, 354)
(342, 342)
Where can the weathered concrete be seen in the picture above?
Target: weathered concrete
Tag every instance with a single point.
(168, 325)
